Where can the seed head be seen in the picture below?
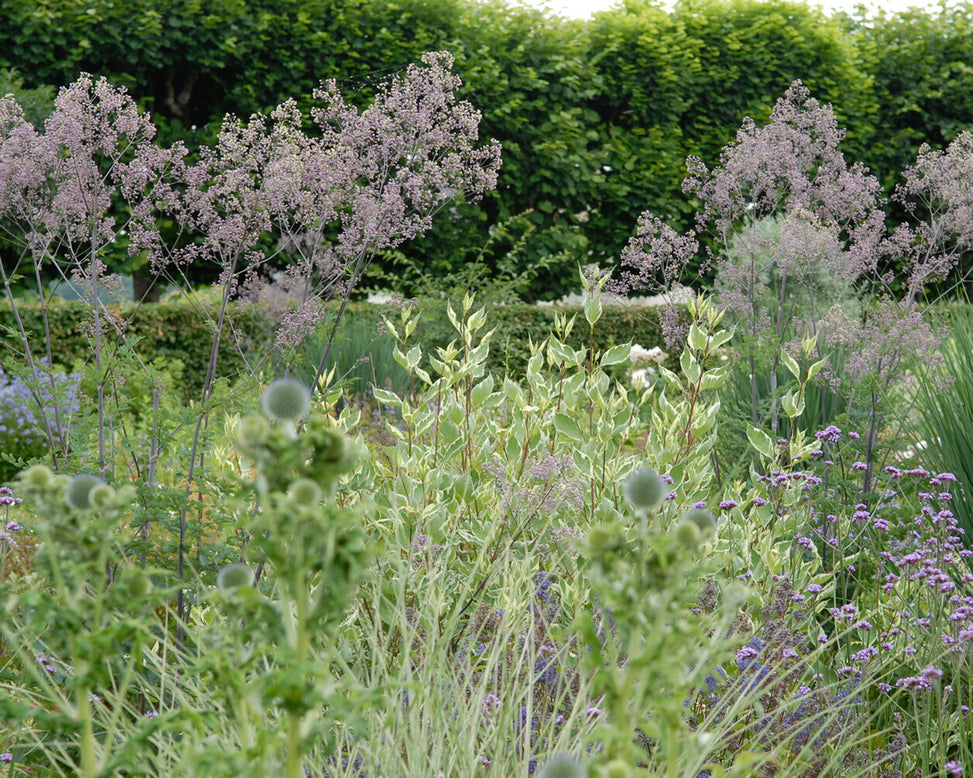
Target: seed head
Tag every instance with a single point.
(704, 520)
(253, 431)
(233, 576)
(286, 399)
(101, 496)
(77, 493)
(644, 489)
(562, 766)
(305, 492)
(37, 476)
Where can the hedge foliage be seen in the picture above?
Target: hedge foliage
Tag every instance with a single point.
(175, 333)
(177, 330)
(596, 117)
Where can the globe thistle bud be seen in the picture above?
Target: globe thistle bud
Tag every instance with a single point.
(617, 769)
(305, 492)
(602, 538)
(233, 576)
(252, 431)
(37, 476)
(332, 447)
(704, 520)
(644, 489)
(286, 400)
(687, 534)
(101, 496)
(137, 583)
(562, 766)
(77, 492)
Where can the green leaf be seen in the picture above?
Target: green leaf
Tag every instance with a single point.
(592, 309)
(615, 355)
(791, 364)
(690, 367)
(761, 441)
(386, 397)
(567, 426)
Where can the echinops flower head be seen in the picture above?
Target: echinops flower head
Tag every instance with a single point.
(77, 492)
(644, 489)
(287, 400)
(233, 576)
(562, 766)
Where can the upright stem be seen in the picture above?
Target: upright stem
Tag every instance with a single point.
(88, 760)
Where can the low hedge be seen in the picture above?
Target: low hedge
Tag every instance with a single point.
(177, 329)
(173, 330)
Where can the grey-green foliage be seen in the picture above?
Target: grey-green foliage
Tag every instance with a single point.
(790, 263)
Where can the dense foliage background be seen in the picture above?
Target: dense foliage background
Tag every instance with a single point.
(596, 117)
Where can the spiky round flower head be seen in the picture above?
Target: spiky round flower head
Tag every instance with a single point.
(332, 447)
(252, 431)
(305, 492)
(37, 476)
(704, 520)
(77, 493)
(233, 576)
(644, 489)
(286, 399)
(562, 766)
(618, 769)
(101, 496)
(137, 583)
(602, 537)
(687, 534)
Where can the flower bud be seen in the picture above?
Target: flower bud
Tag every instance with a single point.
(332, 447)
(562, 766)
(601, 538)
(286, 399)
(644, 489)
(704, 520)
(234, 576)
(305, 492)
(77, 492)
(101, 496)
(252, 431)
(687, 534)
(37, 476)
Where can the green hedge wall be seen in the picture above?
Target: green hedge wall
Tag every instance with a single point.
(177, 330)
(164, 331)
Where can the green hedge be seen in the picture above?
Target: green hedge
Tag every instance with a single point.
(177, 330)
(517, 324)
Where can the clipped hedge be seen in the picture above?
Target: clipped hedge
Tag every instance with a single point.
(173, 330)
(519, 323)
